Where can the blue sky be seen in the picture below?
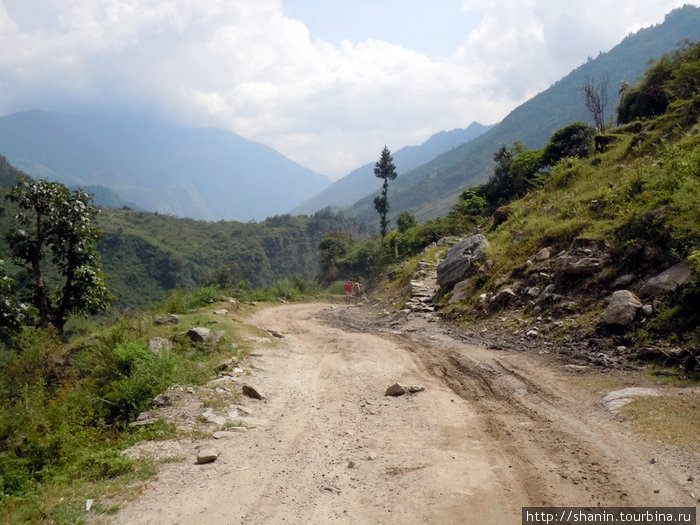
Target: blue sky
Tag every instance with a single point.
(326, 82)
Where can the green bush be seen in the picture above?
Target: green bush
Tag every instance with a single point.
(181, 301)
(574, 140)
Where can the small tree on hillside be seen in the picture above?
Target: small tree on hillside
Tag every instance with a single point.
(53, 234)
(595, 97)
(405, 221)
(384, 169)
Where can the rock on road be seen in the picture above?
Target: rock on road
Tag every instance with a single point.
(492, 432)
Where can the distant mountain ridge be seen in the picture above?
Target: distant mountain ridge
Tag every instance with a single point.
(361, 181)
(430, 190)
(199, 173)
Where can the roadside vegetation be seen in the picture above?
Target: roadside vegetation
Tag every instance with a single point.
(66, 404)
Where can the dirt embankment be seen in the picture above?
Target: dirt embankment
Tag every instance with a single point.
(493, 431)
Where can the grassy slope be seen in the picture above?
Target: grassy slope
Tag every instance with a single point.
(642, 200)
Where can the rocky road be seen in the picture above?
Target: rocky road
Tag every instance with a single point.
(491, 432)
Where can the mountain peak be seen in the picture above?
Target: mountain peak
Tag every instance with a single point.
(200, 173)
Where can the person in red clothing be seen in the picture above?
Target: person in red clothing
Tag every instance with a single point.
(348, 291)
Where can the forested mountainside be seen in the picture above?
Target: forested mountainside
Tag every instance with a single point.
(429, 190)
(201, 173)
(144, 255)
(362, 180)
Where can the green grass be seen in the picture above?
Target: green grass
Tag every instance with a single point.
(65, 409)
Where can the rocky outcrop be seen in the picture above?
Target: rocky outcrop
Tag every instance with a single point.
(199, 334)
(168, 319)
(397, 389)
(462, 260)
(503, 296)
(158, 344)
(460, 291)
(586, 257)
(252, 391)
(622, 308)
(207, 455)
(668, 280)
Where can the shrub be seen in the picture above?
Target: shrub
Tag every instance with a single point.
(574, 140)
(181, 301)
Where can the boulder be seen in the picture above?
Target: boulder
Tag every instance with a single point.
(533, 291)
(208, 416)
(622, 308)
(217, 336)
(485, 268)
(668, 280)
(222, 311)
(543, 254)
(614, 401)
(253, 392)
(167, 319)
(397, 389)
(623, 280)
(504, 295)
(460, 260)
(448, 241)
(207, 455)
(199, 334)
(500, 216)
(158, 344)
(460, 291)
(576, 265)
(162, 400)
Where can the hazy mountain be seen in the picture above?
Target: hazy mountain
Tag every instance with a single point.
(107, 198)
(431, 189)
(201, 173)
(360, 182)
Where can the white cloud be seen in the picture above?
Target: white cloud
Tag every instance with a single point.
(247, 67)
(525, 45)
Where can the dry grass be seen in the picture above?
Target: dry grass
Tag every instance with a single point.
(674, 419)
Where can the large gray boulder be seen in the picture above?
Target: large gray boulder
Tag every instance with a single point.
(622, 308)
(586, 257)
(460, 261)
(199, 334)
(668, 280)
(576, 265)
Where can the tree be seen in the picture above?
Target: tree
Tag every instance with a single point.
(53, 234)
(500, 187)
(595, 97)
(405, 221)
(384, 169)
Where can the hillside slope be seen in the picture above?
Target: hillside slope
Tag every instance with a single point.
(601, 258)
(429, 190)
(362, 181)
(200, 173)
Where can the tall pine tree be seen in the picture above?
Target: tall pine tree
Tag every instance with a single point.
(384, 169)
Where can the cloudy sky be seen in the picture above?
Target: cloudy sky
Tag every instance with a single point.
(326, 82)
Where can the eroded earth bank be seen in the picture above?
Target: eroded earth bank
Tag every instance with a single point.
(493, 431)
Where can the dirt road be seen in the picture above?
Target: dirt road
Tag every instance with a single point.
(491, 433)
